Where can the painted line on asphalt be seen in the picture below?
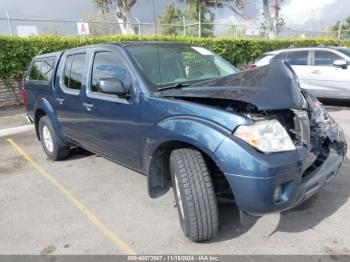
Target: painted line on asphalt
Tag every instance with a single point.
(15, 130)
(121, 245)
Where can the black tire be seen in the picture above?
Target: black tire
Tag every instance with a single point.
(57, 151)
(199, 217)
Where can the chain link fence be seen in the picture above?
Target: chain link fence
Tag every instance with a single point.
(25, 27)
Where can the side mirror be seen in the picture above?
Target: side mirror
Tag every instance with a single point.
(112, 86)
(342, 63)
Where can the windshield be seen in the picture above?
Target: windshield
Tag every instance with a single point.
(345, 51)
(168, 65)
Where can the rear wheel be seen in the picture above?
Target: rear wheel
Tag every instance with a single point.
(194, 194)
(49, 141)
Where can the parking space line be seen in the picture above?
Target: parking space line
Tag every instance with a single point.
(121, 245)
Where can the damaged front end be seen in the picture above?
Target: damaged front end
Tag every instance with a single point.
(302, 150)
(272, 93)
(312, 130)
(326, 136)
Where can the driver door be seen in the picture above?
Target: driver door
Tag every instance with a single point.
(112, 122)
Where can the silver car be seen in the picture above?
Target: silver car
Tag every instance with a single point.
(324, 71)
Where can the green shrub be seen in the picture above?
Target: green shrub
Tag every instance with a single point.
(16, 52)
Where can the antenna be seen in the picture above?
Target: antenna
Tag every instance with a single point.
(155, 28)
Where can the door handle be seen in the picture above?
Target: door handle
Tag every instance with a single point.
(60, 100)
(315, 72)
(88, 106)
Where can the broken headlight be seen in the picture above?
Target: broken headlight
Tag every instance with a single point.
(267, 136)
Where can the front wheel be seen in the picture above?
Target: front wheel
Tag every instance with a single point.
(49, 141)
(194, 194)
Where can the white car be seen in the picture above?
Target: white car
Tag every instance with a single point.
(324, 71)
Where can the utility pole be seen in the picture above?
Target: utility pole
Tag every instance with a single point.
(267, 17)
(184, 24)
(199, 24)
(277, 10)
(139, 25)
(9, 22)
(339, 31)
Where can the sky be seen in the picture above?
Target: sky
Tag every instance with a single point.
(73, 9)
(324, 12)
(307, 14)
(304, 14)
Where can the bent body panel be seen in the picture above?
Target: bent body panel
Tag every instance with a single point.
(165, 120)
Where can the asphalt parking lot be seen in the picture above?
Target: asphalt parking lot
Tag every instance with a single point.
(89, 205)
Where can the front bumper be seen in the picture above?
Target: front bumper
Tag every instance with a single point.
(319, 177)
(254, 192)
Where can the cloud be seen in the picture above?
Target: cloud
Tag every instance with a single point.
(310, 13)
(300, 11)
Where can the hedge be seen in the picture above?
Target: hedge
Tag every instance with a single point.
(17, 52)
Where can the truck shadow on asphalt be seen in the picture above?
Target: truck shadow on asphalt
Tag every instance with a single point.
(304, 217)
(333, 105)
(78, 153)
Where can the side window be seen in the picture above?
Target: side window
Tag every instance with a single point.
(42, 70)
(280, 56)
(108, 65)
(46, 69)
(73, 71)
(34, 73)
(67, 68)
(297, 57)
(325, 58)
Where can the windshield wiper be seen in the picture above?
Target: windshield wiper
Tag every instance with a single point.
(179, 85)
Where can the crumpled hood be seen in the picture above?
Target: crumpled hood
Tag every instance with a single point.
(272, 87)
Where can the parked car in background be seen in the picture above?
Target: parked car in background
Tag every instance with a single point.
(324, 71)
(187, 119)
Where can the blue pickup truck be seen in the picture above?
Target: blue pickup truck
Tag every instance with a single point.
(187, 119)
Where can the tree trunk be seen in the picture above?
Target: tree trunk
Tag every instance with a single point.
(124, 18)
(267, 18)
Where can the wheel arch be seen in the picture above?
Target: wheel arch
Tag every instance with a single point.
(158, 172)
(172, 133)
(44, 108)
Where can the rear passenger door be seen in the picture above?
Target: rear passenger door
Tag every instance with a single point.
(68, 94)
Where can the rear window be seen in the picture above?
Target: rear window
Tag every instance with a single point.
(73, 71)
(263, 56)
(42, 70)
(34, 73)
(280, 56)
(297, 57)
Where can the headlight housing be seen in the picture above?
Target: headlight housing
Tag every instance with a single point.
(267, 136)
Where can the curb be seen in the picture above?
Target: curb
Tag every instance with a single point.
(15, 130)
